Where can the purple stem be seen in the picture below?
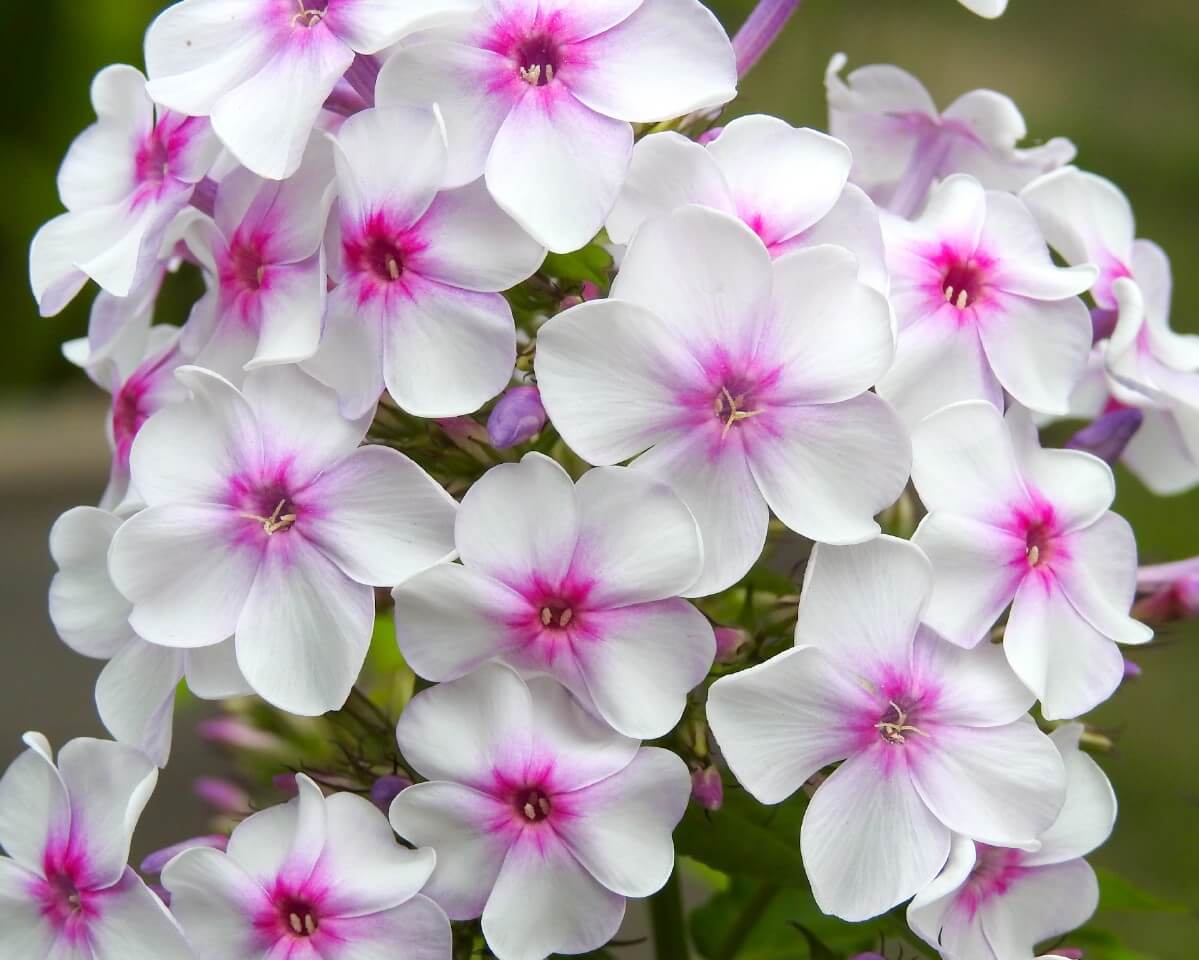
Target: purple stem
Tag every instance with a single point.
(760, 30)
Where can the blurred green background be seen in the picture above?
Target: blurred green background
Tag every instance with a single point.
(1121, 80)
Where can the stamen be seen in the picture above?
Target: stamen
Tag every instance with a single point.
(531, 75)
(949, 294)
(565, 617)
(547, 616)
(306, 17)
(1034, 555)
(296, 924)
(393, 268)
(727, 400)
(549, 73)
(309, 924)
(963, 299)
(543, 805)
(261, 273)
(893, 731)
(530, 811)
(275, 522)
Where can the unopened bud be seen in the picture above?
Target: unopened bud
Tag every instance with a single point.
(1108, 435)
(160, 858)
(760, 30)
(1171, 592)
(1103, 323)
(235, 732)
(285, 783)
(1131, 670)
(516, 418)
(387, 788)
(707, 789)
(590, 290)
(463, 429)
(225, 796)
(1068, 953)
(709, 135)
(729, 643)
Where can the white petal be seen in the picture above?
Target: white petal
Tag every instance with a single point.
(1024, 267)
(415, 930)
(975, 688)
(25, 931)
(282, 844)
(1002, 785)
(668, 58)
(957, 210)
(349, 358)
(556, 167)
(303, 635)
(776, 722)
(545, 902)
(185, 574)
(624, 839)
(213, 673)
(868, 840)
(88, 612)
(132, 923)
(853, 223)
(448, 351)
(99, 166)
(215, 900)
(369, 26)
(932, 914)
(34, 807)
(1042, 904)
(135, 696)
(973, 583)
(383, 518)
(292, 302)
(1066, 662)
(1087, 819)
(1099, 578)
(827, 469)
(861, 605)
(454, 820)
(1084, 216)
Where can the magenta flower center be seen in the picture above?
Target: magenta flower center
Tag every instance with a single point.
(732, 404)
(299, 915)
(897, 722)
(533, 804)
(247, 264)
(382, 257)
(271, 508)
(310, 12)
(963, 284)
(152, 163)
(1039, 543)
(538, 58)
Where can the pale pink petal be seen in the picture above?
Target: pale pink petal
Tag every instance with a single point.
(1099, 579)
(284, 842)
(577, 22)
(135, 696)
(1024, 267)
(1084, 217)
(868, 840)
(132, 923)
(87, 611)
(35, 811)
(350, 352)
(853, 224)
(668, 58)
(935, 915)
(457, 822)
(957, 211)
(214, 899)
(1041, 904)
(1159, 457)
(1087, 819)
(25, 931)
(416, 930)
(292, 304)
(973, 688)
(772, 721)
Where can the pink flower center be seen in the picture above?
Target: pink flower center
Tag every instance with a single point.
(152, 163)
(533, 804)
(732, 404)
(127, 417)
(556, 614)
(382, 257)
(897, 722)
(248, 267)
(270, 507)
(310, 13)
(299, 915)
(538, 58)
(66, 906)
(995, 870)
(963, 284)
(1039, 543)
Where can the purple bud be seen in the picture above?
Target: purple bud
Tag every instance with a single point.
(387, 788)
(519, 416)
(729, 641)
(567, 302)
(1131, 670)
(1109, 434)
(709, 135)
(285, 783)
(235, 732)
(1103, 323)
(1068, 953)
(161, 892)
(204, 196)
(160, 858)
(362, 76)
(590, 291)
(227, 797)
(707, 789)
(464, 429)
(760, 30)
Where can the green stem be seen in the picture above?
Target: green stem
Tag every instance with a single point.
(669, 921)
(750, 915)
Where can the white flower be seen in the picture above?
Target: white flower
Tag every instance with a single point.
(744, 380)
(261, 69)
(981, 306)
(992, 903)
(266, 522)
(66, 893)
(575, 581)
(935, 738)
(902, 144)
(787, 184)
(317, 877)
(1009, 522)
(418, 270)
(122, 182)
(985, 8)
(539, 99)
(544, 820)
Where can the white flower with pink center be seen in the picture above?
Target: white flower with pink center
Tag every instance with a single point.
(995, 903)
(262, 69)
(741, 381)
(418, 270)
(750, 171)
(902, 144)
(317, 878)
(543, 818)
(65, 890)
(935, 739)
(539, 98)
(982, 308)
(1011, 523)
(135, 693)
(265, 521)
(262, 251)
(578, 581)
(122, 182)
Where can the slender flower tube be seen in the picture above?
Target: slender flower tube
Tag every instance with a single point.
(761, 28)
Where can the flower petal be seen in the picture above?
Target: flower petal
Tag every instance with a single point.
(1041, 905)
(1099, 579)
(132, 923)
(416, 930)
(282, 844)
(35, 810)
(370, 26)
(349, 358)
(135, 696)
(25, 931)
(215, 900)
(87, 610)
(974, 688)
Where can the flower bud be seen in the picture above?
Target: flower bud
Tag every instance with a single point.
(235, 732)
(1108, 435)
(761, 28)
(285, 783)
(729, 641)
(1131, 670)
(709, 135)
(707, 789)
(463, 429)
(590, 290)
(1103, 323)
(1171, 592)
(1068, 953)
(518, 417)
(387, 788)
(160, 858)
(227, 797)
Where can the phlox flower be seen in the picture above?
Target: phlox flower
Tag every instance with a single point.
(986, 8)
(741, 381)
(261, 69)
(123, 180)
(544, 819)
(577, 581)
(418, 269)
(995, 903)
(787, 184)
(262, 252)
(316, 878)
(1011, 523)
(265, 521)
(539, 98)
(135, 693)
(935, 739)
(65, 890)
(902, 144)
(981, 306)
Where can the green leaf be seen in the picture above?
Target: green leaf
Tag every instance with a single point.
(817, 948)
(746, 839)
(590, 264)
(1101, 945)
(1117, 893)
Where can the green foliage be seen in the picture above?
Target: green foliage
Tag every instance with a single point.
(747, 840)
(1117, 893)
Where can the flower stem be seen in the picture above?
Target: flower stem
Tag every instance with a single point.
(753, 911)
(669, 921)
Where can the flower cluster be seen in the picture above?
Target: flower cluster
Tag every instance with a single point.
(506, 343)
